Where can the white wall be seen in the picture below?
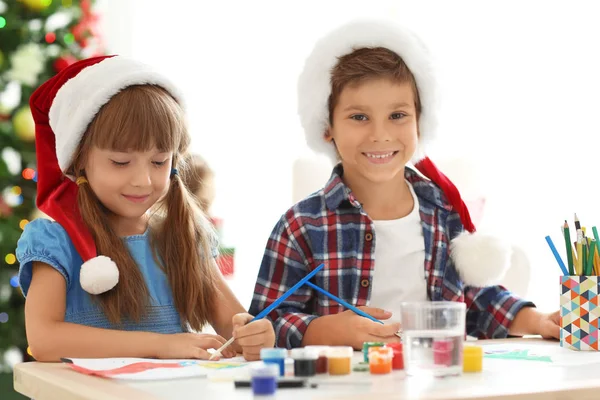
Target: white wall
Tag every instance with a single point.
(521, 88)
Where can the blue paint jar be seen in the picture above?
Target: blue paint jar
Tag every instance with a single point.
(275, 356)
(264, 378)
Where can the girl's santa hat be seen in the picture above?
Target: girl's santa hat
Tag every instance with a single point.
(480, 259)
(62, 109)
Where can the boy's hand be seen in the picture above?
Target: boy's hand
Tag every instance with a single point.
(350, 329)
(550, 325)
(529, 321)
(253, 336)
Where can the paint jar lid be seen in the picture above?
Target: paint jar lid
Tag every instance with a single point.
(340, 352)
(473, 351)
(366, 345)
(321, 350)
(396, 347)
(263, 370)
(273, 353)
(304, 354)
(380, 353)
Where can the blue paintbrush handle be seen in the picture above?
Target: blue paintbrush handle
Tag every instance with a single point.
(287, 294)
(342, 302)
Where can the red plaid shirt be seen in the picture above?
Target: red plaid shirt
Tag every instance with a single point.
(331, 227)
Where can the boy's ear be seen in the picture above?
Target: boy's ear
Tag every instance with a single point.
(327, 135)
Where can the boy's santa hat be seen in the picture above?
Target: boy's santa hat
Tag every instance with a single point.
(62, 109)
(480, 259)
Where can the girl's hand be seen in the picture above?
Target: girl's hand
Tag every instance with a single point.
(192, 345)
(252, 336)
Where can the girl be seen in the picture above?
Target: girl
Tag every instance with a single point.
(110, 140)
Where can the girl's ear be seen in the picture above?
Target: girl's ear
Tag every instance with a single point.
(327, 135)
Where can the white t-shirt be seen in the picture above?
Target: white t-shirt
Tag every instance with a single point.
(399, 272)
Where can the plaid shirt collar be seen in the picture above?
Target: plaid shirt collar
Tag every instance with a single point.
(336, 192)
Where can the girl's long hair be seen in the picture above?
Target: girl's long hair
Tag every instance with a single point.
(140, 118)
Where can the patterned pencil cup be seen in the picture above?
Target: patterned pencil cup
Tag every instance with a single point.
(579, 312)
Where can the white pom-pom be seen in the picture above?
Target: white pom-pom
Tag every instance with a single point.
(480, 259)
(98, 275)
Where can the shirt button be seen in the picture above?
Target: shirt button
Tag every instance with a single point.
(364, 283)
(369, 237)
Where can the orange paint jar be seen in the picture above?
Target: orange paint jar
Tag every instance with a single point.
(339, 359)
(380, 360)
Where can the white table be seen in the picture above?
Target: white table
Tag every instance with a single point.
(500, 379)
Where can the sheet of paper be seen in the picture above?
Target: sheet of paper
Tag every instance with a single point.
(153, 369)
(539, 354)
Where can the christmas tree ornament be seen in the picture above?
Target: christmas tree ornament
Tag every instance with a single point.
(37, 5)
(63, 62)
(24, 125)
(10, 98)
(12, 159)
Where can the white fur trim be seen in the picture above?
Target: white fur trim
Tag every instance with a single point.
(480, 259)
(78, 101)
(98, 275)
(314, 84)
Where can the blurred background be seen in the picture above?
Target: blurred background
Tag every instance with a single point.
(518, 135)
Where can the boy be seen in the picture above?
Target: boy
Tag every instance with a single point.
(386, 232)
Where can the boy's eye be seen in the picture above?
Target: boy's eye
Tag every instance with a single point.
(359, 117)
(120, 164)
(397, 115)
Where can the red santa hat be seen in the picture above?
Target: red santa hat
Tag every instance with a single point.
(480, 259)
(62, 109)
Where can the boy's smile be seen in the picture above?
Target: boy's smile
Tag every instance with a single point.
(380, 157)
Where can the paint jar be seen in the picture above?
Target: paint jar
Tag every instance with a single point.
(472, 358)
(322, 363)
(380, 360)
(305, 362)
(442, 351)
(433, 333)
(367, 346)
(339, 359)
(264, 378)
(275, 356)
(398, 360)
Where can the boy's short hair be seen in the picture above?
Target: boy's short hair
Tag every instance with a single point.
(369, 63)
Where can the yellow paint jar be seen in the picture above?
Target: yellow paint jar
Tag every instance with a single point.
(339, 359)
(472, 358)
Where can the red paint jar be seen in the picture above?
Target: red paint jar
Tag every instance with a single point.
(398, 360)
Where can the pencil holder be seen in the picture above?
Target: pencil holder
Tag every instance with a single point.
(579, 312)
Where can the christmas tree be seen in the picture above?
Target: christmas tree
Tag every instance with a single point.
(38, 38)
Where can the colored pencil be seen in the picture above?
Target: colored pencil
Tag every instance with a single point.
(590, 261)
(342, 302)
(597, 253)
(569, 248)
(559, 260)
(579, 268)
